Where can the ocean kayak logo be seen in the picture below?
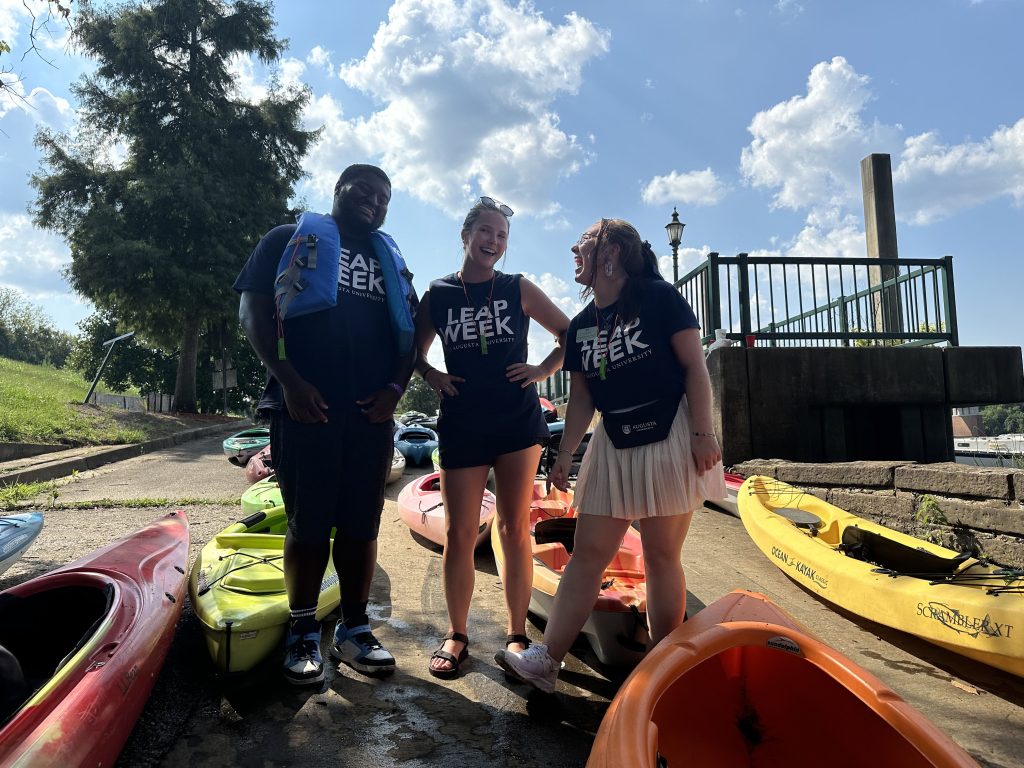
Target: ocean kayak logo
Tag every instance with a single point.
(962, 623)
(808, 572)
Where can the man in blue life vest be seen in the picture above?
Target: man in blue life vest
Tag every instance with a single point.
(336, 373)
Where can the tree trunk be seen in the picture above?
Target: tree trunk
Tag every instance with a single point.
(185, 399)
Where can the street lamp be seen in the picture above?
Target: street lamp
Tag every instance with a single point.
(675, 237)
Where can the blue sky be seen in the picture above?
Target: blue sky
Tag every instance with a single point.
(750, 117)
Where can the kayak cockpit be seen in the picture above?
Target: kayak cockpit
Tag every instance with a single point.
(42, 631)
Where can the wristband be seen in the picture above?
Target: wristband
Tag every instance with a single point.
(397, 387)
(703, 434)
(424, 374)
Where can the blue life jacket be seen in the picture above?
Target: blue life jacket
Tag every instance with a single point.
(307, 276)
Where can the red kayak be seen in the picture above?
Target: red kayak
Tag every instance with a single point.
(83, 646)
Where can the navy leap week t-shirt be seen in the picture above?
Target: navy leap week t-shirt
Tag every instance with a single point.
(348, 351)
(487, 403)
(641, 364)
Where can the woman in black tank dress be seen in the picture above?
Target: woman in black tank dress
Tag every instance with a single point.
(490, 416)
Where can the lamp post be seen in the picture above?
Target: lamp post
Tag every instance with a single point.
(675, 237)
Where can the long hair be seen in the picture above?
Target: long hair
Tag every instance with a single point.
(636, 257)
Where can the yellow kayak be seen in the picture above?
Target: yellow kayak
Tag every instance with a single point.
(948, 598)
(237, 589)
(261, 495)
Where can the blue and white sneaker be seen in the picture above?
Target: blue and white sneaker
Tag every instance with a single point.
(303, 664)
(358, 648)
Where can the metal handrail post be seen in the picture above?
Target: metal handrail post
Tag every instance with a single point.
(950, 303)
(110, 343)
(743, 285)
(714, 297)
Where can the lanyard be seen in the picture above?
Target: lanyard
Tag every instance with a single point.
(490, 297)
(602, 369)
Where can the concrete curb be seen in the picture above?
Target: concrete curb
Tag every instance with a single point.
(92, 458)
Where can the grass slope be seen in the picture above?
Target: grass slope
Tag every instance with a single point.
(41, 404)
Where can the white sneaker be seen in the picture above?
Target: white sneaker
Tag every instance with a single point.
(534, 666)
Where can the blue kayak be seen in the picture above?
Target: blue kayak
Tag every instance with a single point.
(17, 532)
(416, 443)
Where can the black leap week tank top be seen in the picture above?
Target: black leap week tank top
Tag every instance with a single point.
(483, 330)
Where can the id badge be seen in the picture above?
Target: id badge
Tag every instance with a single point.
(586, 334)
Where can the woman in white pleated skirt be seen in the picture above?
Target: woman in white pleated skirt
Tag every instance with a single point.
(635, 356)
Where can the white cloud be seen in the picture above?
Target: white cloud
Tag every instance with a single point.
(565, 296)
(694, 188)
(466, 92)
(933, 181)
(808, 149)
(320, 58)
(35, 271)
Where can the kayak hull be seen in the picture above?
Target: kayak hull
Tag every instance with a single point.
(17, 532)
(84, 712)
(617, 627)
(262, 495)
(772, 684)
(958, 602)
(421, 508)
(242, 446)
(237, 590)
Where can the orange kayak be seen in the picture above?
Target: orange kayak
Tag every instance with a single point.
(742, 684)
(617, 627)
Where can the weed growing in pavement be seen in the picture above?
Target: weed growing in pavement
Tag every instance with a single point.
(11, 495)
(144, 503)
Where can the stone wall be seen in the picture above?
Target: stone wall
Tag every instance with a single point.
(966, 508)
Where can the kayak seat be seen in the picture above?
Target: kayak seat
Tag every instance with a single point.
(559, 530)
(893, 555)
(553, 555)
(45, 629)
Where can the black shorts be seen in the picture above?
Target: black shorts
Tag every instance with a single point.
(458, 449)
(332, 475)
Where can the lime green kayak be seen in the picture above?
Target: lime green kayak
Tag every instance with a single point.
(262, 495)
(237, 589)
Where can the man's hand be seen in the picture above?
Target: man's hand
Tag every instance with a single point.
(380, 406)
(305, 403)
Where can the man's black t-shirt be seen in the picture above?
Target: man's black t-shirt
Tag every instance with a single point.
(470, 319)
(640, 364)
(348, 351)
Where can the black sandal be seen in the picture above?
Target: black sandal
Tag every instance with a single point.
(523, 640)
(455, 661)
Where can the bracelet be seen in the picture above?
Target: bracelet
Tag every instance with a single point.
(429, 369)
(397, 387)
(564, 450)
(703, 434)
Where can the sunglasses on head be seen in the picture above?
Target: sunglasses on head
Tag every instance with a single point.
(497, 205)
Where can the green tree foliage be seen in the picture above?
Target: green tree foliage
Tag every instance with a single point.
(419, 397)
(132, 364)
(28, 335)
(1003, 419)
(158, 237)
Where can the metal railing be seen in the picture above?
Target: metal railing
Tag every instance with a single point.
(789, 301)
(555, 388)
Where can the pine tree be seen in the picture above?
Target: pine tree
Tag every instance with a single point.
(171, 175)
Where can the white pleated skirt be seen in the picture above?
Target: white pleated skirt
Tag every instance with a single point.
(653, 480)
